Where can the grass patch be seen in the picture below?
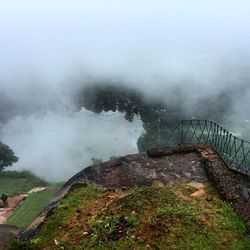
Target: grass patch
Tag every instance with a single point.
(14, 182)
(145, 218)
(32, 206)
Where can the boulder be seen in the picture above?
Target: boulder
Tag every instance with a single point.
(8, 232)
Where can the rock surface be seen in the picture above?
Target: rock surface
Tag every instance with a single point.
(166, 166)
(8, 232)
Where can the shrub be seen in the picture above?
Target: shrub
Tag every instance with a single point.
(7, 156)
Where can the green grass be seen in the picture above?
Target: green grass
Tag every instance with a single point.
(14, 183)
(32, 206)
(144, 218)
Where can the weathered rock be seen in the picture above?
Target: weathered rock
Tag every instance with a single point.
(232, 186)
(8, 232)
(130, 171)
(36, 190)
(166, 166)
(196, 185)
(246, 193)
(198, 193)
(209, 198)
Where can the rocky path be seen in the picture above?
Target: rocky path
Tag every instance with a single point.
(14, 203)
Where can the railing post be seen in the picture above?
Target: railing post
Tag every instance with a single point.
(182, 132)
(224, 140)
(230, 148)
(216, 136)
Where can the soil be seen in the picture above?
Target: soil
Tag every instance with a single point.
(14, 202)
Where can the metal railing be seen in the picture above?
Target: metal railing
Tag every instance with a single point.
(234, 151)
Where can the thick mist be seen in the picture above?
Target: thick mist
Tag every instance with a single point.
(192, 56)
(56, 146)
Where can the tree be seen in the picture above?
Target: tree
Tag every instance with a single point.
(7, 156)
(157, 122)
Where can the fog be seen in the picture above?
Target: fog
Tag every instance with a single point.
(57, 146)
(181, 52)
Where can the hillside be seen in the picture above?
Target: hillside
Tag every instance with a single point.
(154, 217)
(162, 200)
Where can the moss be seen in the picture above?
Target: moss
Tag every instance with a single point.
(32, 206)
(144, 218)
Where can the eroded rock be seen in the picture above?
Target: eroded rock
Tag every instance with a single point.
(8, 232)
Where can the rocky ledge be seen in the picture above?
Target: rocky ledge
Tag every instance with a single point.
(167, 166)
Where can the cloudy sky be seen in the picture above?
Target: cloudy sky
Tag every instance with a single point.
(54, 38)
(182, 51)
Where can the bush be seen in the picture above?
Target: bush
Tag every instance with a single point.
(153, 139)
(7, 156)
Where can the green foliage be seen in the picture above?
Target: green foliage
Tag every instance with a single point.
(22, 245)
(14, 182)
(145, 218)
(175, 211)
(32, 206)
(96, 160)
(21, 174)
(106, 229)
(153, 139)
(7, 156)
(106, 96)
(110, 227)
(226, 219)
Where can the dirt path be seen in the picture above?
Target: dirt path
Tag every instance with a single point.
(14, 203)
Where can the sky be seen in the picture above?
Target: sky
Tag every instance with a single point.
(173, 50)
(54, 39)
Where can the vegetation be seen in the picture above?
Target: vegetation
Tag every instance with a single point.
(153, 139)
(32, 206)
(14, 182)
(99, 160)
(155, 217)
(159, 116)
(7, 156)
(108, 97)
(96, 161)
